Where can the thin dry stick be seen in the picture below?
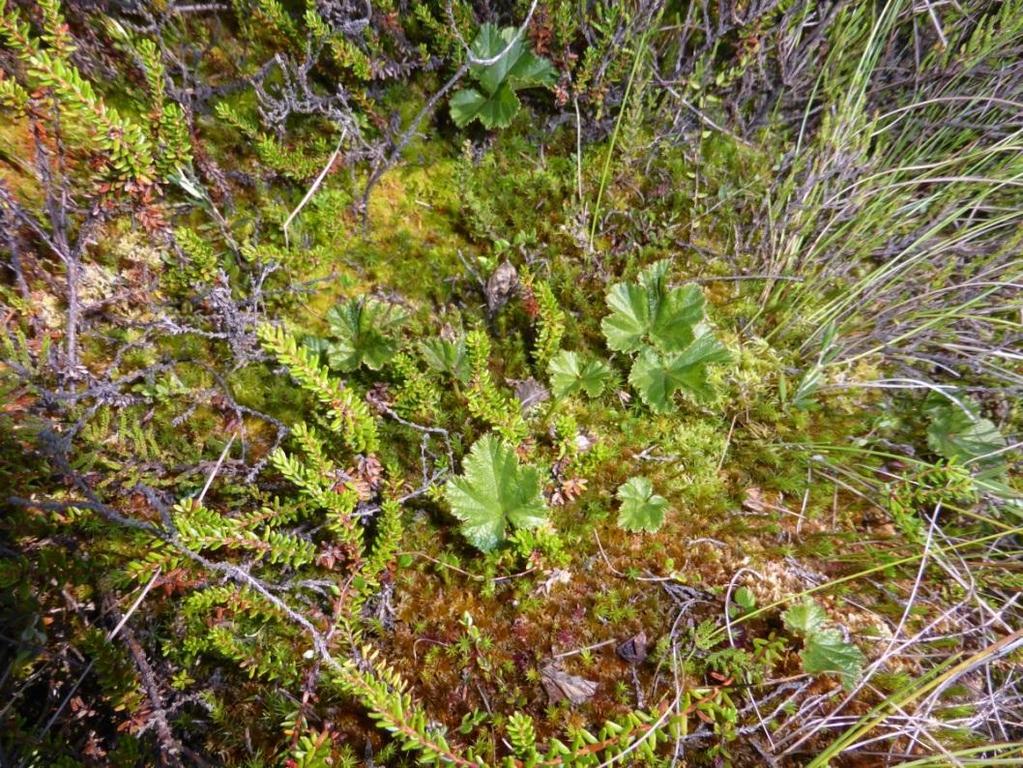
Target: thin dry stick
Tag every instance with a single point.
(593, 647)
(728, 442)
(216, 469)
(315, 186)
(578, 152)
(619, 574)
(170, 747)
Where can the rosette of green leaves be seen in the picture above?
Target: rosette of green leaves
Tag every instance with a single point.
(362, 332)
(663, 327)
(494, 102)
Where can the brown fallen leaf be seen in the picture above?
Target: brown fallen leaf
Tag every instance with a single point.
(758, 502)
(529, 392)
(554, 577)
(570, 490)
(560, 685)
(502, 284)
(371, 470)
(633, 650)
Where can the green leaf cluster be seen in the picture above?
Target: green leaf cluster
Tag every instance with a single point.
(825, 651)
(362, 332)
(663, 328)
(200, 528)
(385, 694)
(129, 149)
(550, 321)
(347, 416)
(493, 101)
(483, 398)
(446, 357)
(168, 124)
(258, 638)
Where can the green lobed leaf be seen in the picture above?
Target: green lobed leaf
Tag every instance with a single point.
(827, 653)
(361, 334)
(446, 357)
(805, 619)
(745, 599)
(629, 321)
(494, 102)
(641, 509)
(658, 377)
(489, 42)
(678, 311)
(465, 106)
(531, 71)
(958, 432)
(517, 66)
(493, 492)
(651, 312)
(495, 111)
(499, 109)
(569, 375)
